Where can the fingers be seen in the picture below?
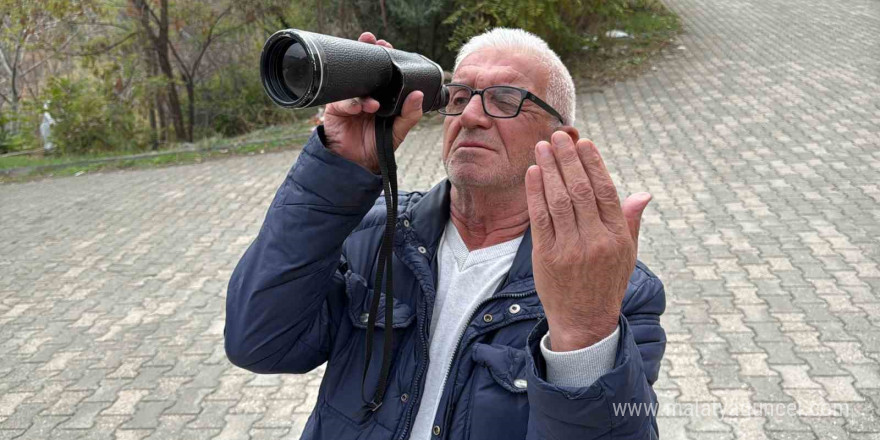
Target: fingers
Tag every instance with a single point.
(577, 183)
(604, 190)
(410, 114)
(558, 201)
(633, 207)
(353, 106)
(543, 236)
(370, 105)
(367, 37)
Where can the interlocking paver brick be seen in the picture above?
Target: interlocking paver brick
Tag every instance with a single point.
(822, 363)
(188, 401)
(866, 376)
(212, 415)
(840, 389)
(268, 433)
(170, 426)
(125, 402)
(237, 426)
(66, 403)
(146, 415)
(42, 427)
(23, 417)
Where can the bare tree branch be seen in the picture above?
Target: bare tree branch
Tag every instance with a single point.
(104, 49)
(209, 39)
(190, 71)
(45, 59)
(5, 62)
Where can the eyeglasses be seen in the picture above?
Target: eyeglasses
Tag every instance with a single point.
(501, 102)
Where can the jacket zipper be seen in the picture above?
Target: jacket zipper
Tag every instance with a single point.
(458, 346)
(418, 379)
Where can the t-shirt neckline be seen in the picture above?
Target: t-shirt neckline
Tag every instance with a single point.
(466, 258)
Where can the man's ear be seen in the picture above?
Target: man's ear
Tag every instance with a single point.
(573, 132)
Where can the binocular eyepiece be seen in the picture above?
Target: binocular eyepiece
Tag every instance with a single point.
(303, 69)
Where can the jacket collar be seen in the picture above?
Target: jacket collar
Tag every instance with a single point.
(430, 214)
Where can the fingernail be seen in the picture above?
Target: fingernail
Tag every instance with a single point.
(543, 149)
(558, 139)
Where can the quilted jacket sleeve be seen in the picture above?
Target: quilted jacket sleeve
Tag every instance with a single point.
(286, 296)
(621, 404)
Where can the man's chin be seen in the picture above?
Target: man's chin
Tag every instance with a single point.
(475, 176)
(469, 174)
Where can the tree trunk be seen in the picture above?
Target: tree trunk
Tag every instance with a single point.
(384, 17)
(173, 99)
(168, 70)
(151, 112)
(160, 44)
(320, 6)
(163, 121)
(191, 96)
(14, 123)
(153, 102)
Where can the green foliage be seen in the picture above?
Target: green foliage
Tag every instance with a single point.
(90, 119)
(566, 25)
(233, 102)
(411, 25)
(11, 137)
(545, 18)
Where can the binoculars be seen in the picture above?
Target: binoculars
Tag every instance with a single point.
(304, 69)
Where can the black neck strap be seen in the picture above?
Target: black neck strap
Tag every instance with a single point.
(388, 168)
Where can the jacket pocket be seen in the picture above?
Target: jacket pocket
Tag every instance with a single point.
(499, 405)
(360, 298)
(345, 393)
(506, 365)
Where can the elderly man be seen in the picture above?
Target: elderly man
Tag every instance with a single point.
(519, 308)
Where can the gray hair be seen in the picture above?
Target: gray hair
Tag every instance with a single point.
(560, 89)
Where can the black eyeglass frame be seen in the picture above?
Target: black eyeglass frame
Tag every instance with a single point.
(525, 95)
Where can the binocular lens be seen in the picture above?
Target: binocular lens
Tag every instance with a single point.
(296, 70)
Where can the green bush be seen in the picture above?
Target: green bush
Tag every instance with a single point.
(233, 102)
(413, 25)
(438, 28)
(89, 119)
(12, 137)
(564, 24)
(541, 17)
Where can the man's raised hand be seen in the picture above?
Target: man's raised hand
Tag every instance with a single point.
(584, 242)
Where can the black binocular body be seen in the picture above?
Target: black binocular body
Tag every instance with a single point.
(303, 69)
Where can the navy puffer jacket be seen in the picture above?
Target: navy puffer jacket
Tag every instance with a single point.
(300, 294)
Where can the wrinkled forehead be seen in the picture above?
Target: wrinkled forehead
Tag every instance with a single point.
(493, 66)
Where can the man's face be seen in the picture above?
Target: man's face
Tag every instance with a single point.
(482, 151)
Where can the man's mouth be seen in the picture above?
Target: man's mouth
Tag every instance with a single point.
(469, 144)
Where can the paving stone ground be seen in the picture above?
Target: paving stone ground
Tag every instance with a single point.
(758, 133)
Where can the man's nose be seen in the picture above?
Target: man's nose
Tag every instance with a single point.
(473, 114)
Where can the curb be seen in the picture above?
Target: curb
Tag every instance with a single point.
(189, 149)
